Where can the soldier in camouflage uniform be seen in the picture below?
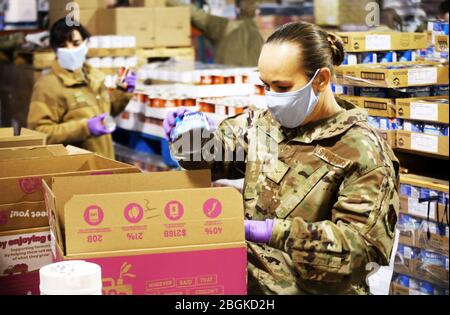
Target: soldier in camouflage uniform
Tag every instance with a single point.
(331, 191)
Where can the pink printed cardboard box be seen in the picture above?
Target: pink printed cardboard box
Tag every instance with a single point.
(22, 254)
(155, 233)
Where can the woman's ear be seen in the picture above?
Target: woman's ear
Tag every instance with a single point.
(322, 80)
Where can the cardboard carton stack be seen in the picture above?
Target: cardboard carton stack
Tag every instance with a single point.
(192, 234)
(422, 263)
(341, 12)
(153, 24)
(24, 225)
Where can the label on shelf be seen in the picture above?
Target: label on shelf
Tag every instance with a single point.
(422, 76)
(421, 209)
(378, 42)
(422, 142)
(407, 252)
(424, 111)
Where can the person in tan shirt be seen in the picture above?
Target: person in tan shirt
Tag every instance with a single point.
(71, 102)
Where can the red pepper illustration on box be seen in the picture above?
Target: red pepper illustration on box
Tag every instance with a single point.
(113, 287)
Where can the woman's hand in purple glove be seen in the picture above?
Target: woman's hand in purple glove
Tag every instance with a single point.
(258, 231)
(131, 82)
(96, 127)
(170, 121)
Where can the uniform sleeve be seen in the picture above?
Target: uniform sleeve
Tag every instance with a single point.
(46, 116)
(332, 255)
(119, 101)
(224, 151)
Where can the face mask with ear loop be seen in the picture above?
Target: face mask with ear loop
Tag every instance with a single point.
(72, 58)
(292, 108)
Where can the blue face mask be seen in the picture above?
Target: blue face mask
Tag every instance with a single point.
(292, 108)
(72, 58)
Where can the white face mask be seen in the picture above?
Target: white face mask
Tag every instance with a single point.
(292, 108)
(72, 58)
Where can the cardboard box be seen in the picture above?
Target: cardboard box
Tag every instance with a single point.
(383, 41)
(27, 152)
(149, 3)
(137, 22)
(22, 254)
(23, 215)
(385, 75)
(165, 218)
(172, 26)
(397, 289)
(390, 136)
(411, 206)
(424, 182)
(417, 238)
(83, 4)
(426, 109)
(340, 12)
(27, 138)
(411, 141)
(380, 107)
(415, 268)
(87, 17)
(153, 27)
(20, 180)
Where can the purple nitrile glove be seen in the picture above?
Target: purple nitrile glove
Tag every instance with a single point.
(96, 127)
(258, 231)
(170, 121)
(131, 81)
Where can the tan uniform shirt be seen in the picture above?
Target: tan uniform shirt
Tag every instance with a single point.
(63, 101)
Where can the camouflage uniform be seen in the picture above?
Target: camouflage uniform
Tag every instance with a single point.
(332, 193)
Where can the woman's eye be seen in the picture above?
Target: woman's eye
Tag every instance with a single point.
(283, 88)
(266, 87)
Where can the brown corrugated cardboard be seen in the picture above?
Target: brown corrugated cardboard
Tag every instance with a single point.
(423, 109)
(27, 152)
(133, 221)
(87, 17)
(22, 254)
(149, 3)
(412, 141)
(341, 12)
(393, 75)
(418, 270)
(425, 182)
(137, 22)
(383, 41)
(411, 206)
(23, 215)
(82, 4)
(380, 107)
(20, 180)
(27, 138)
(172, 27)
(153, 27)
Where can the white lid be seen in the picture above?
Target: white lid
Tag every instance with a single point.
(70, 277)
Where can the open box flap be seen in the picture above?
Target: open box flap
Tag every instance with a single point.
(66, 187)
(55, 227)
